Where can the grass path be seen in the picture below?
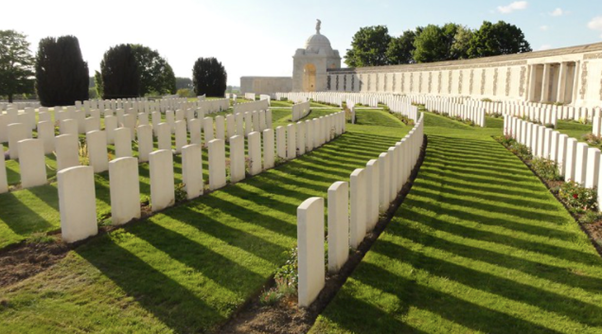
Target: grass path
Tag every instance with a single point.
(478, 246)
(189, 268)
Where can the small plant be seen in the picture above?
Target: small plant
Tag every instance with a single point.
(592, 139)
(590, 217)
(577, 197)
(39, 238)
(546, 169)
(583, 120)
(269, 297)
(550, 126)
(180, 192)
(287, 280)
(469, 122)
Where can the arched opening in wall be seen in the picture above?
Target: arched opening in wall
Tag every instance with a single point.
(309, 78)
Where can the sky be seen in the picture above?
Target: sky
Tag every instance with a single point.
(259, 37)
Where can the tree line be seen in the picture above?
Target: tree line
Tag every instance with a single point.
(373, 46)
(59, 75)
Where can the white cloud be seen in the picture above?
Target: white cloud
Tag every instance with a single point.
(544, 28)
(516, 5)
(544, 47)
(557, 12)
(596, 24)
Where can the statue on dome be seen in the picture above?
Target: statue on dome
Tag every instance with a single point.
(318, 26)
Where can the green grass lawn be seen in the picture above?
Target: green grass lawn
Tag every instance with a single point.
(190, 267)
(478, 246)
(574, 129)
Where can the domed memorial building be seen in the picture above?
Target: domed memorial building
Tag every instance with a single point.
(310, 66)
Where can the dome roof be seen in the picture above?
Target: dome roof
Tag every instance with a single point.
(317, 42)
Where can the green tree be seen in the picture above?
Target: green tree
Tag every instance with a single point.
(98, 84)
(182, 83)
(459, 49)
(120, 73)
(431, 45)
(209, 77)
(401, 48)
(16, 65)
(497, 39)
(61, 72)
(156, 75)
(369, 47)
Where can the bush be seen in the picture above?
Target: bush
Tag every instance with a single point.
(185, 92)
(590, 217)
(577, 197)
(592, 139)
(209, 77)
(546, 169)
(120, 73)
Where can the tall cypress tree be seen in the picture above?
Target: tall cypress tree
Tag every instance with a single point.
(209, 77)
(61, 73)
(120, 73)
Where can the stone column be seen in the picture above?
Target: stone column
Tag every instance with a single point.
(77, 203)
(562, 78)
(545, 86)
(338, 226)
(124, 186)
(310, 245)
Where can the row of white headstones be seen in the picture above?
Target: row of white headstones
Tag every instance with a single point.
(466, 112)
(300, 110)
(576, 161)
(76, 183)
(353, 211)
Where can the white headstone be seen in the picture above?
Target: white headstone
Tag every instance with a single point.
(164, 136)
(67, 151)
(3, 178)
(110, 126)
(291, 142)
(162, 179)
(32, 163)
(77, 203)
(254, 142)
(338, 226)
(268, 148)
(124, 186)
(97, 150)
(237, 158)
(310, 245)
(192, 170)
(145, 142)
(181, 135)
(357, 225)
(123, 142)
(16, 133)
(217, 164)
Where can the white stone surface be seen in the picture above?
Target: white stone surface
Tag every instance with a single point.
(384, 173)
(145, 142)
(192, 170)
(310, 245)
(570, 162)
(46, 135)
(230, 126)
(592, 168)
(291, 139)
(220, 128)
(301, 131)
(16, 133)
(181, 135)
(123, 142)
(3, 177)
(110, 126)
(164, 136)
(581, 163)
(77, 203)
(237, 159)
(208, 129)
(97, 150)
(67, 151)
(68, 126)
(32, 163)
(217, 164)
(281, 142)
(268, 148)
(394, 175)
(124, 187)
(338, 225)
(357, 225)
(561, 156)
(372, 193)
(194, 126)
(254, 150)
(161, 179)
